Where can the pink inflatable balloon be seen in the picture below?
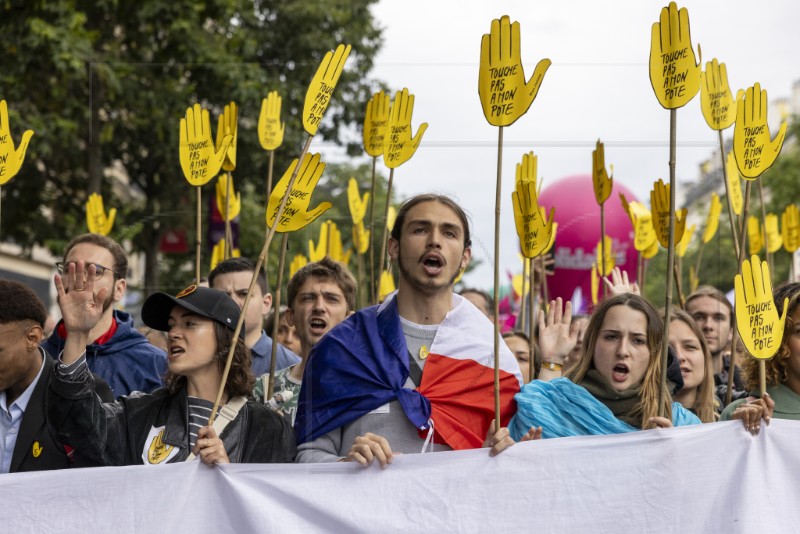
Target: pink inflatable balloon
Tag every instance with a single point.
(575, 249)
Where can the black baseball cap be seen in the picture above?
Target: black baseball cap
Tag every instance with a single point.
(203, 301)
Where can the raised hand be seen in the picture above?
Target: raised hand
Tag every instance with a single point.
(755, 235)
(757, 317)
(228, 125)
(358, 204)
(234, 201)
(296, 214)
(10, 158)
(80, 307)
(752, 147)
(683, 245)
(504, 93)
(674, 72)
(360, 238)
(790, 229)
(557, 336)
(376, 121)
(320, 250)
(712, 220)
(734, 184)
(716, 99)
(600, 179)
(400, 146)
(199, 161)
(96, 218)
(533, 231)
(619, 283)
(659, 200)
(298, 262)
(321, 87)
(270, 127)
(772, 233)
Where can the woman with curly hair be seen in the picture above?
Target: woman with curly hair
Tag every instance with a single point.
(782, 398)
(615, 385)
(687, 341)
(168, 425)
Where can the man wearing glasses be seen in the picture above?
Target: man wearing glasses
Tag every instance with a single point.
(118, 353)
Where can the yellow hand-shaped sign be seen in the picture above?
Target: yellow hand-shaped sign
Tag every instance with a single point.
(734, 184)
(296, 214)
(400, 146)
(756, 315)
(716, 99)
(651, 251)
(386, 285)
(712, 220)
(391, 215)
(298, 262)
(321, 87)
(674, 72)
(600, 178)
(335, 249)
(526, 170)
(790, 229)
(754, 151)
(199, 161)
(659, 200)
(773, 234)
(218, 253)
(358, 204)
(683, 245)
(360, 238)
(228, 124)
(533, 231)
(10, 159)
(595, 284)
(608, 264)
(642, 221)
(96, 218)
(234, 204)
(504, 93)
(376, 121)
(755, 235)
(553, 233)
(320, 250)
(270, 127)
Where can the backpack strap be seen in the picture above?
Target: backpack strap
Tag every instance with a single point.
(225, 415)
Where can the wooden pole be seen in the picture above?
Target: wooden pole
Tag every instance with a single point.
(767, 253)
(739, 260)
(385, 228)
(523, 293)
(276, 322)
(198, 239)
(602, 248)
(731, 215)
(673, 115)
(498, 192)
(371, 222)
(228, 232)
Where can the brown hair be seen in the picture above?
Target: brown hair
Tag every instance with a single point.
(328, 269)
(239, 265)
(777, 368)
(120, 267)
(397, 229)
(240, 380)
(705, 401)
(649, 397)
(714, 293)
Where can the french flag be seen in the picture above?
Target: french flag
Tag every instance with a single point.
(362, 364)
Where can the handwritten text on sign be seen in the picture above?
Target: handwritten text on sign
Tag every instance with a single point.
(674, 80)
(197, 165)
(502, 99)
(289, 211)
(376, 133)
(395, 143)
(752, 149)
(719, 111)
(531, 237)
(321, 102)
(761, 331)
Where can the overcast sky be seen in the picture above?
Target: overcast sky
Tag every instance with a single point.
(597, 87)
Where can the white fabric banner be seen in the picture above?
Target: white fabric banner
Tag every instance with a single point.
(705, 478)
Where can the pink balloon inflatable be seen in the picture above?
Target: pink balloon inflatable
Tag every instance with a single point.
(575, 249)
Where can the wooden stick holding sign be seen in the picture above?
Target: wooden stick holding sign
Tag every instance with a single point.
(10, 158)
(505, 96)
(398, 148)
(229, 205)
(228, 125)
(309, 169)
(376, 121)
(675, 77)
(709, 230)
(602, 190)
(756, 315)
(358, 209)
(680, 251)
(200, 161)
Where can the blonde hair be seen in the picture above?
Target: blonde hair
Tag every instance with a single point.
(705, 401)
(650, 399)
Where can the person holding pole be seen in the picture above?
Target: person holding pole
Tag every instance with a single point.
(418, 367)
(169, 425)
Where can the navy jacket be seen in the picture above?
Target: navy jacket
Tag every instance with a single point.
(128, 362)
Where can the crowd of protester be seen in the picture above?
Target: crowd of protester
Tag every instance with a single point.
(357, 385)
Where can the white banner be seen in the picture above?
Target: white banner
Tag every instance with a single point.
(705, 478)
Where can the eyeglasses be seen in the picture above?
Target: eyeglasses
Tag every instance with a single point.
(99, 270)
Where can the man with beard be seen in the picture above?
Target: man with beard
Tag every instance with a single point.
(117, 352)
(414, 373)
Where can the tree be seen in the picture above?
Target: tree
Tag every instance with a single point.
(104, 84)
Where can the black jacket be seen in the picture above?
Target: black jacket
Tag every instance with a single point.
(122, 432)
(37, 448)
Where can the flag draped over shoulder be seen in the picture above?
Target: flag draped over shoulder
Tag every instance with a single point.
(362, 364)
